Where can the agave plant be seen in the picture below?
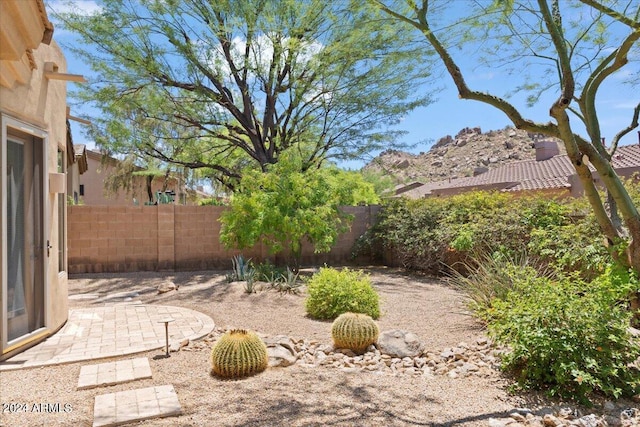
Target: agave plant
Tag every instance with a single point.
(289, 283)
(242, 270)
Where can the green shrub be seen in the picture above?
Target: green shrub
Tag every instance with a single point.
(490, 277)
(570, 336)
(437, 234)
(268, 272)
(332, 292)
(211, 201)
(575, 246)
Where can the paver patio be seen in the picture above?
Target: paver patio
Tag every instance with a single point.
(116, 330)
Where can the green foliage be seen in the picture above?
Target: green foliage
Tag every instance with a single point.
(242, 271)
(573, 246)
(284, 205)
(383, 184)
(332, 293)
(570, 336)
(71, 201)
(238, 353)
(354, 331)
(437, 234)
(268, 272)
(491, 277)
(225, 85)
(283, 280)
(211, 201)
(288, 283)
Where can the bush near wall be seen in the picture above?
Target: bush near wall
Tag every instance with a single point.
(436, 234)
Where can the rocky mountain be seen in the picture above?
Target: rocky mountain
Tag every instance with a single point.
(469, 152)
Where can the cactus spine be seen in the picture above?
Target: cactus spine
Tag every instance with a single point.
(354, 331)
(238, 353)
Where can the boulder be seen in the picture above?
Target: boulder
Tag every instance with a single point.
(399, 343)
(403, 164)
(167, 287)
(281, 351)
(280, 356)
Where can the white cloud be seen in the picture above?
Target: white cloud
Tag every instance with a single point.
(261, 53)
(482, 76)
(82, 7)
(625, 105)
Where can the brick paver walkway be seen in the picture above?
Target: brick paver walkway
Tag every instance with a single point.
(94, 333)
(123, 407)
(110, 373)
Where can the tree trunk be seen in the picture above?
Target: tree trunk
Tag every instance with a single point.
(149, 190)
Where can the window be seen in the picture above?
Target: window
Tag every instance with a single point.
(62, 216)
(82, 189)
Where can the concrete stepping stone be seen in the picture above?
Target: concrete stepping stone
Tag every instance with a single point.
(110, 373)
(124, 407)
(84, 296)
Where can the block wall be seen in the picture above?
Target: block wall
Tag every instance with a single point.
(175, 237)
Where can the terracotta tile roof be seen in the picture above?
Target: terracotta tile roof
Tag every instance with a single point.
(552, 173)
(626, 156)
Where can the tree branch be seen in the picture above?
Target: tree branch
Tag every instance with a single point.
(623, 132)
(613, 14)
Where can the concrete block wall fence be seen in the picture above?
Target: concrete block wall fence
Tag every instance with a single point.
(177, 238)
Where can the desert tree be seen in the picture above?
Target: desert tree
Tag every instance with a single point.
(575, 47)
(283, 207)
(228, 85)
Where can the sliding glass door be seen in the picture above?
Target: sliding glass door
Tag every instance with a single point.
(24, 246)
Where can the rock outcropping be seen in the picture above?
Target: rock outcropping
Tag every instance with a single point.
(469, 152)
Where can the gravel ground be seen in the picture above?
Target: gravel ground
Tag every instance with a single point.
(291, 396)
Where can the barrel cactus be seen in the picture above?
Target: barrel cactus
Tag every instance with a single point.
(238, 353)
(354, 331)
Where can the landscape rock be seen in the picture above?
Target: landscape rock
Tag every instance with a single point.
(177, 345)
(403, 164)
(399, 343)
(479, 358)
(167, 287)
(281, 350)
(280, 356)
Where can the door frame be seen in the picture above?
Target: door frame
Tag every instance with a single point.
(6, 123)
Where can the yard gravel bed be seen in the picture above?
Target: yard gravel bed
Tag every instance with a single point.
(297, 395)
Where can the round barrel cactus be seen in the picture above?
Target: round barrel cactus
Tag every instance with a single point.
(238, 353)
(354, 331)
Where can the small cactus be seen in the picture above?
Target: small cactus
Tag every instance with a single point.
(354, 331)
(238, 353)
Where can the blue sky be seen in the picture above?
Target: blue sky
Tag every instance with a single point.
(448, 114)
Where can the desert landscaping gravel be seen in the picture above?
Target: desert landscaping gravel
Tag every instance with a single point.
(302, 394)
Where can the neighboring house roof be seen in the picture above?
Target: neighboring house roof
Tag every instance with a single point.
(529, 175)
(403, 188)
(80, 155)
(626, 156)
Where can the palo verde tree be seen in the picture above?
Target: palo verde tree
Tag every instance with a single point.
(238, 82)
(283, 207)
(576, 46)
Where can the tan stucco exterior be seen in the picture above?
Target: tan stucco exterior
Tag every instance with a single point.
(99, 169)
(36, 103)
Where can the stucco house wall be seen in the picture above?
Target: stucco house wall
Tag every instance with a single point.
(32, 104)
(92, 183)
